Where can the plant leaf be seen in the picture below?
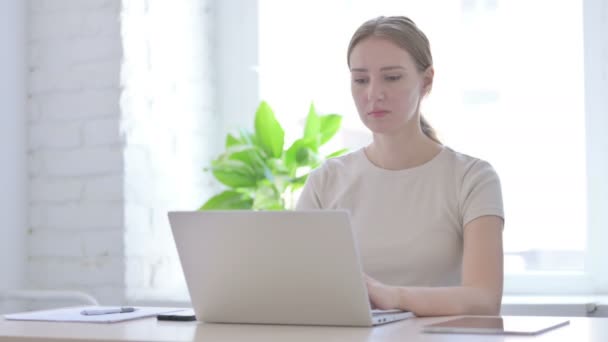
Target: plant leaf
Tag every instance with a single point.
(231, 141)
(277, 167)
(258, 171)
(233, 173)
(248, 138)
(268, 131)
(250, 155)
(312, 130)
(299, 182)
(228, 200)
(295, 150)
(329, 126)
(314, 159)
(267, 197)
(336, 153)
(303, 155)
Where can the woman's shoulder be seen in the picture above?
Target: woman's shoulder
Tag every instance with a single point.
(336, 165)
(347, 160)
(467, 166)
(464, 161)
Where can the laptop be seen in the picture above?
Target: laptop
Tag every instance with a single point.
(274, 267)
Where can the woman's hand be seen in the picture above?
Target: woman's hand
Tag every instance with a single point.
(381, 296)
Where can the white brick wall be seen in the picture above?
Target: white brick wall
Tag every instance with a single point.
(91, 75)
(120, 123)
(109, 188)
(54, 135)
(83, 161)
(102, 132)
(81, 104)
(13, 153)
(76, 234)
(55, 190)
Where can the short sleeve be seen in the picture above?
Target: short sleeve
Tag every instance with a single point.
(481, 193)
(309, 198)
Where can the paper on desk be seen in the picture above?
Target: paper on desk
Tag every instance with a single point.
(73, 314)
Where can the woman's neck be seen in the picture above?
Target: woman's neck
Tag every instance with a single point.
(401, 151)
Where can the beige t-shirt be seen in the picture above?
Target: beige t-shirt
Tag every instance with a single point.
(408, 223)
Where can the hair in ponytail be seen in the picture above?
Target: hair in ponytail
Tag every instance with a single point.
(428, 130)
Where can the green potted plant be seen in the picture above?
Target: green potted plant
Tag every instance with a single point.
(256, 169)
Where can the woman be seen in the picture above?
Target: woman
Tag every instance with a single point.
(428, 220)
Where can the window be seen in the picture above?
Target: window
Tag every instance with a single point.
(509, 88)
(504, 69)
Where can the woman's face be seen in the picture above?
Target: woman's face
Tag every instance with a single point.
(386, 86)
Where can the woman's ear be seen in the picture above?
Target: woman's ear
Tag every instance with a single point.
(427, 79)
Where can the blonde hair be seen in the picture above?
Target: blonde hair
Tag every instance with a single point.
(403, 32)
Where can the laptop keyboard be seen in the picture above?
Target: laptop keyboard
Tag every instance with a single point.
(377, 312)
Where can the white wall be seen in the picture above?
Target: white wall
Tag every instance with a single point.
(121, 125)
(13, 167)
(596, 106)
(75, 241)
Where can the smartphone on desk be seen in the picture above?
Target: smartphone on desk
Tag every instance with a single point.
(183, 316)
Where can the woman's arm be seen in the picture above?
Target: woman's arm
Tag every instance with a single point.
(482, 279)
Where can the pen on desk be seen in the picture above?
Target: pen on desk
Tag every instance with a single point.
(91, 312)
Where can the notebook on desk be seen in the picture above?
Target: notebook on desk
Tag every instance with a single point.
(75, 314)
(288, 267)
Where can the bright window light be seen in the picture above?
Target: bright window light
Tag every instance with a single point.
(508, 89)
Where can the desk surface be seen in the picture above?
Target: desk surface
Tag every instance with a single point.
(579, 329)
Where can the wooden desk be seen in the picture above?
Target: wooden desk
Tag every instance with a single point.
(579, 329)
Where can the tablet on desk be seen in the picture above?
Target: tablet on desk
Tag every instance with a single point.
(506, 325)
